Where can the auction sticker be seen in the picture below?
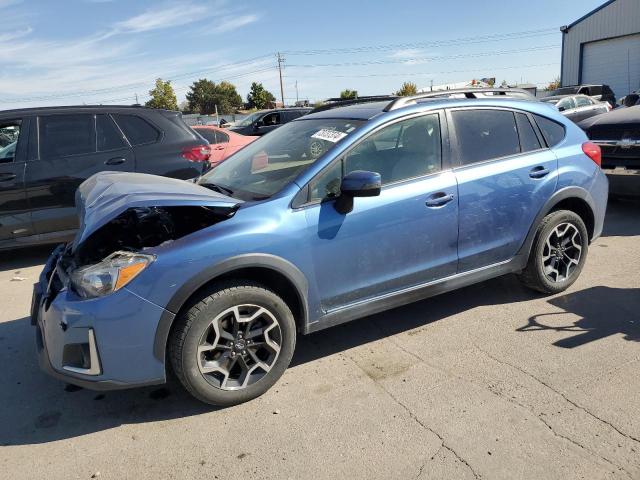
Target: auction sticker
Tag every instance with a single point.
(332, 136)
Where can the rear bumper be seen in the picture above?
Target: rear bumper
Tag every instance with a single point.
(623, 181)
(101, 344)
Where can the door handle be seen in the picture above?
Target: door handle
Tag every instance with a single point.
(539, 172)
(5, 177)
(115, 161)
(438, 199)
(219, 147)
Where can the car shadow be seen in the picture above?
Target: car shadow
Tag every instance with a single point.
(617, 220)
(39, 409)
(603, 311)
(25, 257)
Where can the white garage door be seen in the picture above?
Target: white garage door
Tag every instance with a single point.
(614, 62)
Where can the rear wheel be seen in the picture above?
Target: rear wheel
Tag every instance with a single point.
(233, 344)
(558, 253)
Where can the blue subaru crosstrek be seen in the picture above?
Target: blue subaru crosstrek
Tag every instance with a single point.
(337, 215)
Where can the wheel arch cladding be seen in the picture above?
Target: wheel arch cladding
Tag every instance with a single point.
(274, 273)
(575, 199)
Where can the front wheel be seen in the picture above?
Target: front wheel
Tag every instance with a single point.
(233, 343)
(558, 253)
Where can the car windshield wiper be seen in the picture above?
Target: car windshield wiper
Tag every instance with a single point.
(218, 188)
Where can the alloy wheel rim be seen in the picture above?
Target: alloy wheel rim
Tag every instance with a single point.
(239, 347)
(562, 252)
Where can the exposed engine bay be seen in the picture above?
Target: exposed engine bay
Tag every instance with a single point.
(137, 229)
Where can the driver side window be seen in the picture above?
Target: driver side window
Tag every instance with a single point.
(270, 119)
(403, 150)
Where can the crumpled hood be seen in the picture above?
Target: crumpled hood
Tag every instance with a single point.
(105, 195)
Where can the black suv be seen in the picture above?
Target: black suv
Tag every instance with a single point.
(264, 121)
(45, 153)
(599, 92)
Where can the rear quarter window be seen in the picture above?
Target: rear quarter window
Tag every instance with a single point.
(137, 130)
(552, 131)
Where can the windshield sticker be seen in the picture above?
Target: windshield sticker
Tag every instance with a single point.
(332, 136)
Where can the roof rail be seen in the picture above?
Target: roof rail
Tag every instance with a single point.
(467, 92)
(338, 102)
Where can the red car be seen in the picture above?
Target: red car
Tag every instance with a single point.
(223, 142)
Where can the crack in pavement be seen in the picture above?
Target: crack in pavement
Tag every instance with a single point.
(414, 417)
(511, 400)
(542, 382)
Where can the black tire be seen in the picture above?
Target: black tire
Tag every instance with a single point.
(194, 321)
(534, 276)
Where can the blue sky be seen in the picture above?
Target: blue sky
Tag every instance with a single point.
(106, 51)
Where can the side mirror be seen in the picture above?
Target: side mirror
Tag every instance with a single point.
(358, 183)
(561, 109)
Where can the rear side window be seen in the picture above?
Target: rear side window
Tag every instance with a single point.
(485, 134)
(107, 134)
(137, 129)
(9, 133)
(552, 132)
(209, 135)
(64, 135)
(528, 138)
(222, 137)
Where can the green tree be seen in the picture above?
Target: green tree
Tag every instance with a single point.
(504, 84)
(204, 95)
(259, 97)
(163, 96)
(407, 89)
(348, 94)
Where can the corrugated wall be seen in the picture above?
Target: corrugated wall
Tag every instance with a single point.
(621, 17)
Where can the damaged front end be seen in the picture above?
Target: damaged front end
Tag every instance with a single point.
(122, 216)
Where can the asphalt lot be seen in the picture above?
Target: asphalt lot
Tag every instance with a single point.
(491, 381)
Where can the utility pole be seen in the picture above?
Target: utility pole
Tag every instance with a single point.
(137, 102)
(432, 85)
(280, 62)
(297, 93)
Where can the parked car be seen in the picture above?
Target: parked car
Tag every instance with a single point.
(265, 121)
(215, 280)
(602, 93)
(223, 143)
(618, 135)
(57, 148)
(578, 107)
(630, 100)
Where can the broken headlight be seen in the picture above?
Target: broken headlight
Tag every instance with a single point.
(111, 274)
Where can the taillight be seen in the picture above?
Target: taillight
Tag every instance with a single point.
(199, 153)
(593, 151)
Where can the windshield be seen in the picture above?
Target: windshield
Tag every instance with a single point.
(249, 120)
(265, 166)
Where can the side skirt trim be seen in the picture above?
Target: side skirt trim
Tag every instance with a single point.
(387, 301)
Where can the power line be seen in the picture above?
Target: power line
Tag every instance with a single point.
(425, 59)
(435, 43)
(82, 93)
(483, 68)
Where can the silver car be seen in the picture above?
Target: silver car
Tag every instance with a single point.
(578, 107)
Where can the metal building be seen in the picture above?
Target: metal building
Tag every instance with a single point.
(603, 47)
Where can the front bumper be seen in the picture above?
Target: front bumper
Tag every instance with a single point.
(103, 343)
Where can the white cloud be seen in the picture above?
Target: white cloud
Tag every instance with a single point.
(408, 53)
(116, 61)
(230, 23)
(15, 35)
